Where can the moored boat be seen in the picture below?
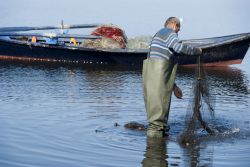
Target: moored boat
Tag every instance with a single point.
(218, 51)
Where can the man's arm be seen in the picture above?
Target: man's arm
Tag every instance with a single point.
(181, 48)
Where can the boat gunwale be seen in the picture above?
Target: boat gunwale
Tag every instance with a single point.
(196, 42)
(126, 50)
(240, 37)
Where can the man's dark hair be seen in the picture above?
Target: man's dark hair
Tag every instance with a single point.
(172, 20)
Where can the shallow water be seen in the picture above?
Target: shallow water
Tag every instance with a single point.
(61, 115)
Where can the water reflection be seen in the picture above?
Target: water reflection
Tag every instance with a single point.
(156, 153)
(228, 87)
(227, 78)
(197, 155)
(223, 79)
(53, 99)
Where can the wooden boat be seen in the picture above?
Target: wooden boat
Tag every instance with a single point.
(218, 51)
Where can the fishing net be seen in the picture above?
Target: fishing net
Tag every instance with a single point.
(200, 114)
(140, 42)
(112, 37)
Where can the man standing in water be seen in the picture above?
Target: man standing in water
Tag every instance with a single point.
(159, 71)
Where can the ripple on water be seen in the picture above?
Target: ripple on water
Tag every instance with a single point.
(61, 116)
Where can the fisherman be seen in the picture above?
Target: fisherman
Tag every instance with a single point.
(159, 72)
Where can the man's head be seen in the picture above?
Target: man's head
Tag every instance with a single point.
(173, 23)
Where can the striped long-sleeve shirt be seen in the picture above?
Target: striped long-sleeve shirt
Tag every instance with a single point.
(166, 42)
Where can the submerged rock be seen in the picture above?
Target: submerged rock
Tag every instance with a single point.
(135, 126)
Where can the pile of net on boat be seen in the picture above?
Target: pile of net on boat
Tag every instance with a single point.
(113, 37)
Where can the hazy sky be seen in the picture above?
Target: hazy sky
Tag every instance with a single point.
(202, 18)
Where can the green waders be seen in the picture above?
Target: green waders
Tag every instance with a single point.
(158, 81)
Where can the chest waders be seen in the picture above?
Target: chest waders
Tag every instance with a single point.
(158, 81)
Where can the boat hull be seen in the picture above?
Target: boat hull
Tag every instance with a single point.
(221, 54)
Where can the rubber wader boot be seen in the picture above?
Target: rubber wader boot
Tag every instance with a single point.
(158, 81)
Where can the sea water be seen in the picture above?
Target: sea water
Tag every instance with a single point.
(64, 115)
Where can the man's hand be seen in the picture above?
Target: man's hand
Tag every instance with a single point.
(177, 91)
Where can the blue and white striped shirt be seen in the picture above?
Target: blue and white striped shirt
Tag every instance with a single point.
(166, 42)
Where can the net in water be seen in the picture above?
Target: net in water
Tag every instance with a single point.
(200, 113)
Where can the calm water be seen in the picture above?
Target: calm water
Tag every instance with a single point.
(54, 115)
